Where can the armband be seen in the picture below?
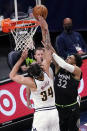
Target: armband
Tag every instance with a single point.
(62, 63)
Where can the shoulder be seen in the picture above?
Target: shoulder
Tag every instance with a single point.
(77, 72)
(27, 80)
(50, 73)
(76, 33)
(61, 35)
(30, 82)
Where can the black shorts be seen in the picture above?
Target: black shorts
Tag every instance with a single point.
(69, 118)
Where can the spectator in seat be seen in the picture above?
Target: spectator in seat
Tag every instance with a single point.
(69, 42)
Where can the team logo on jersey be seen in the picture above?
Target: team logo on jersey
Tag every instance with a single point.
(62, 76)
(45, 84)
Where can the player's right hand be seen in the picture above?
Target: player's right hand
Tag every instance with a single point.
(24, 54)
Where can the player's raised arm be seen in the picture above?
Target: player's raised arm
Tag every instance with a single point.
(46, 37)
(14, 72)
(44, 29)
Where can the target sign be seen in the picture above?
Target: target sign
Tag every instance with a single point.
(7, 103)
(23, 96)
(13, 102)
(82, 90)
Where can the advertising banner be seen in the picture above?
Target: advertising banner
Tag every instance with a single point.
(13, 103)
(82, 90)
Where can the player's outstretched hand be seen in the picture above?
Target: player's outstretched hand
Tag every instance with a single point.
(43, 23)
(24, 54)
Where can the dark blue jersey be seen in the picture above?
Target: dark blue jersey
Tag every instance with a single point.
(66, 87)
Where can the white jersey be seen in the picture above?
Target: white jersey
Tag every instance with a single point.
(44, 95)
(46, 116)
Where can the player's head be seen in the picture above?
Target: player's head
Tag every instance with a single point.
(35, 71)
(39, 54)
(74, 59)
(78, 60)
(67, 21)
(67, 24)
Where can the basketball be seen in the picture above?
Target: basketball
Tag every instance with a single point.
(40, 10)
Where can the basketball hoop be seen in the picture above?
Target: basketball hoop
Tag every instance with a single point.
(22, 31)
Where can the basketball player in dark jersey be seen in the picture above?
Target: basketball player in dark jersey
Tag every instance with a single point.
(67, 78)
(66, 91)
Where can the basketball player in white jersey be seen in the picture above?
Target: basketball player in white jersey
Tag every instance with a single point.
(39, 56)
(40, 82)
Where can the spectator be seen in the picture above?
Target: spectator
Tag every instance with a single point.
(69, 41)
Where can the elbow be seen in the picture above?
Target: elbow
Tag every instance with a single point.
(11, 76)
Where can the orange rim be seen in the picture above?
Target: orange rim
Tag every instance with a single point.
(8, 25)
(14, 23)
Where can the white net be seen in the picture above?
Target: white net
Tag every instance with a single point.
(24, 37)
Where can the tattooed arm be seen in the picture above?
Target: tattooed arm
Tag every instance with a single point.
(46, 39)
(45, 31)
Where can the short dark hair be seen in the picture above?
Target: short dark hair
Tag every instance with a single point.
(78, 60)
(35, 70)
(38, 48)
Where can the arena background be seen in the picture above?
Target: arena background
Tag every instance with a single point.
(57, 11)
